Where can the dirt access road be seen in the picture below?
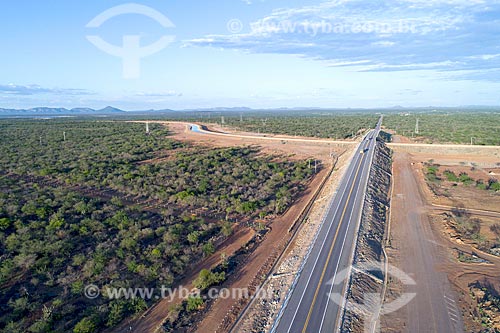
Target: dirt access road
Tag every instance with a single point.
(470, 270)
(416, 251)
(291, 147)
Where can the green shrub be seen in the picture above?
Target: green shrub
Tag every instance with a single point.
(194, 303)
(86, 325)
(450, 176)
(208, 278)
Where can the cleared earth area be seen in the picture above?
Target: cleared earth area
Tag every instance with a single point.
(445, 209)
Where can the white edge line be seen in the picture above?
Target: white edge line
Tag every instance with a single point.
(311, 246)
(342, 309)
(317, 258)
(338, 261)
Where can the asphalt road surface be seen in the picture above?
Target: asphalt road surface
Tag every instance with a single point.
(309, 307)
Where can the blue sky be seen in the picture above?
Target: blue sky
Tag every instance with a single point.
(256, 53)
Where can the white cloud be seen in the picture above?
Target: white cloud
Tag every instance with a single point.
(34, 89)
(170, 93)
(383, 43)
(381, 35)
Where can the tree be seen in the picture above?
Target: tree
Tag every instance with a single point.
(82, 208)
(208, 278)
(12, 327)
(208, 249)
(156, 253)
(56, 222)
(494, 185)
(86, 325)
(29, 208)
(115, 314)
(77, 288)
(227, 229)
(194, 303)
(4, 223)
(39, 326)
(194, 237)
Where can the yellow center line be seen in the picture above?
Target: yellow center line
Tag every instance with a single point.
(331, 248)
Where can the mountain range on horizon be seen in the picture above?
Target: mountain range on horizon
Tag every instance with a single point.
(109, 110)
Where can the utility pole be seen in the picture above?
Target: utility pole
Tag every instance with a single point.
(417, 131)
(64, 136)
(147, 128)
(315, 166)
(264, 122)
(40, 141)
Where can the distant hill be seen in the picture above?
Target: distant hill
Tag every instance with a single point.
(220, 109)
(44, 111)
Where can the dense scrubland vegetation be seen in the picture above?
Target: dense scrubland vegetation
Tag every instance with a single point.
(114, 207)
(447, 125)
(434, 127)
(454, 127)
(330, 126)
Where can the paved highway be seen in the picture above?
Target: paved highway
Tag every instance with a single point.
(308, 307)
